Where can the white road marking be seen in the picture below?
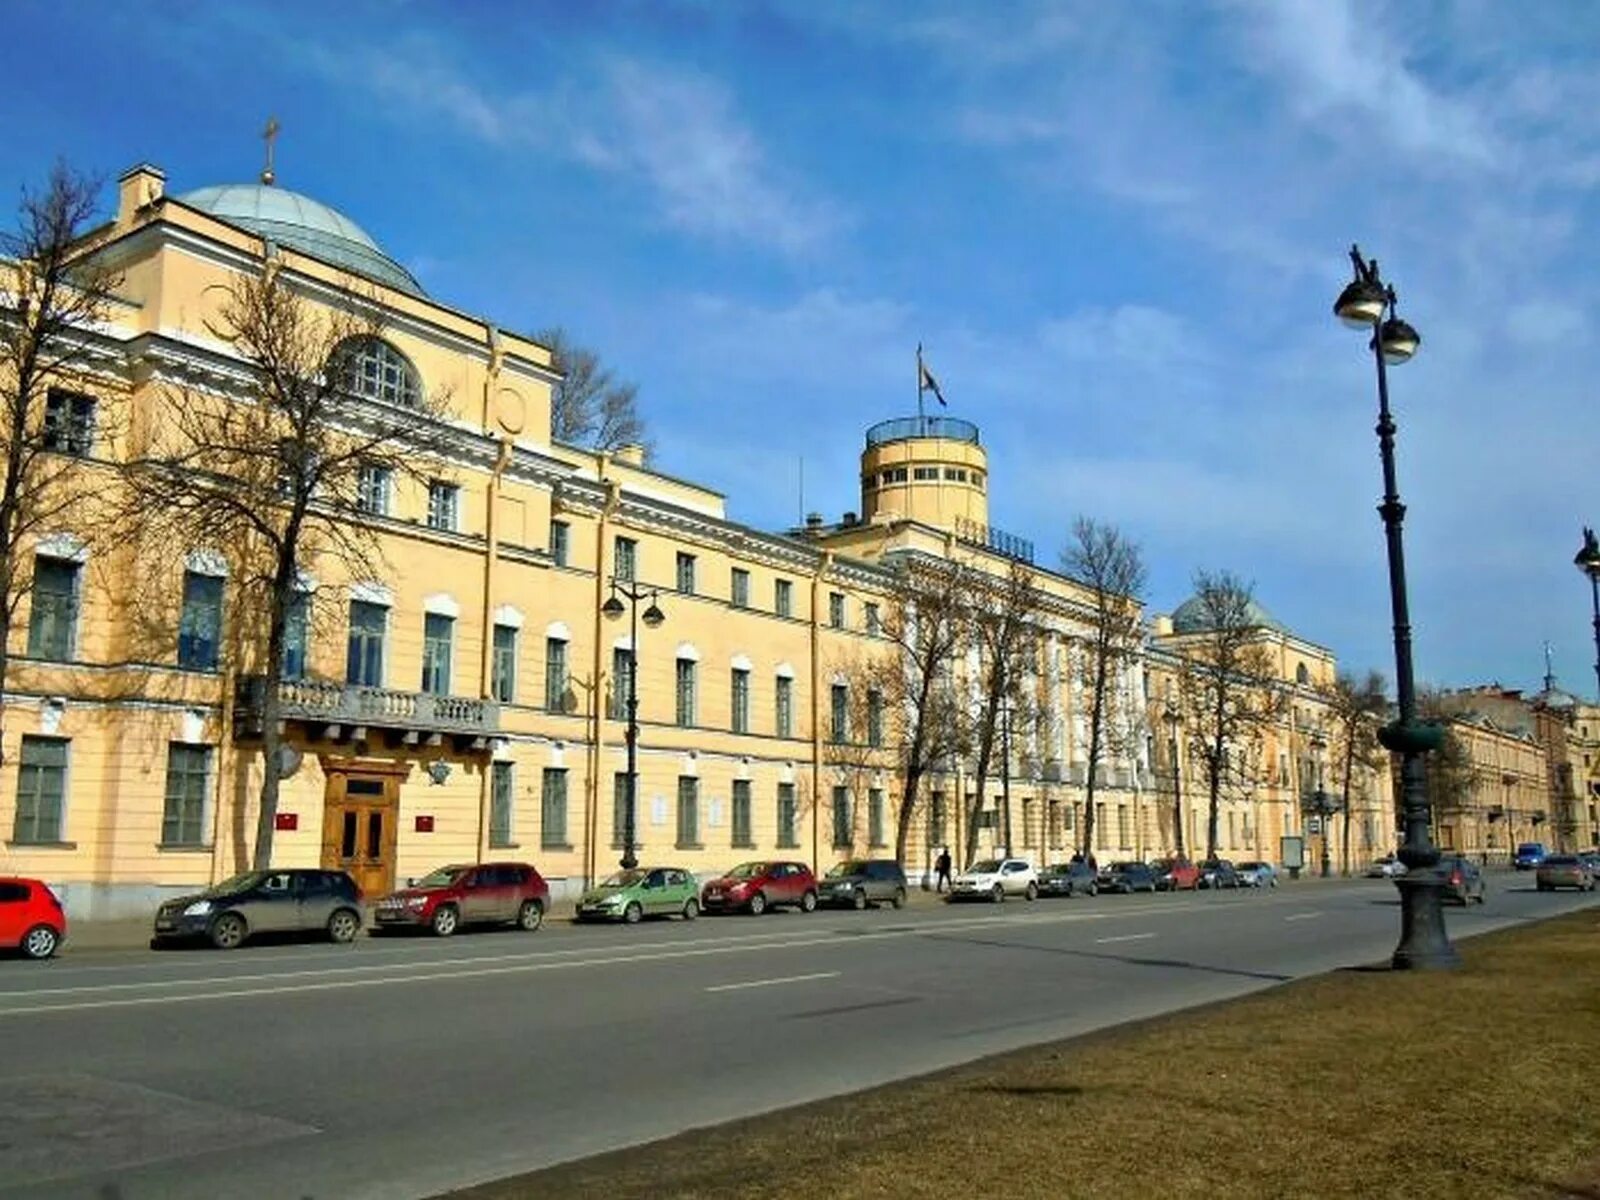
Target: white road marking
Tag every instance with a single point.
(1127, 937)
(755, 983)
(1302, 916)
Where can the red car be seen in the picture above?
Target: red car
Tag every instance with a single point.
(758, 886)
(467, 894)
(1177, 875)
(31, 919)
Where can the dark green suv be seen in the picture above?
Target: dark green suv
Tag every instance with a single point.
(858, 882)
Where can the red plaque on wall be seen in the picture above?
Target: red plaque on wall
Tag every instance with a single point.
(285, 820)
(424, 823)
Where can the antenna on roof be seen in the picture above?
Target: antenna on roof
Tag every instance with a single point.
(270, 136)
(1549, 671)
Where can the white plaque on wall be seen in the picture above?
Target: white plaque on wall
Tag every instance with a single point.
(714, 815)
(658, 810)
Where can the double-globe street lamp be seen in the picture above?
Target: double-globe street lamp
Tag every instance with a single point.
(653, 616)
(1587, 560)
(1174, 719)
(1368, 303)
(1322, 802)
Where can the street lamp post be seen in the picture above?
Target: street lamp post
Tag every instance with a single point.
(1005, 768)
(1323, 804)
(1587, 560)
(653, 616)
(1367, 303)
(1173, 720)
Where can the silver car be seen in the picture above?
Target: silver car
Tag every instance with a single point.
(292, 901)
(1257, 874)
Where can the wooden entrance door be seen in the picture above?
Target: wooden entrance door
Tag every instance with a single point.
(359, 826)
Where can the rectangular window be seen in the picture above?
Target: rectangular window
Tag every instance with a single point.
(874, 718)
(444, 503)
(788, 834)
(743, 834)
(438, 636)
(53, 624)
(200, 625)
(685, 573)
(501, 797)
(875, 817)
(619, 812)
(1027, 823)
(937, 830)
(296, 632)
(839, 728)
(784, 706)
(874, 620)
(560, 542)
(1124, 837)
(836, 609)
(553, 809)
(1100, 826)
(843, 835)
(625, 560)
(41, 790)
(369, 624)
(555, 674)
(183, 819)
(686, 697)
(688, 812)
(373, 487)
(783, 597)
(503, 682)
(739, 588)
(621, 675)
(924, 473)
(69, 423)
(740, 702)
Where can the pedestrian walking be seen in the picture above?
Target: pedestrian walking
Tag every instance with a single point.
(942, 868)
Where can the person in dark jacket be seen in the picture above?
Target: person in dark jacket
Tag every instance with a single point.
(941, 868)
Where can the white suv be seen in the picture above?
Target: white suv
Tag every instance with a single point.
(996, 878)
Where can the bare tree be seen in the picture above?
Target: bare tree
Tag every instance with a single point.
(926, 628)
(852, 757)
(1452, 775)
(1001, 615)
(283, 476)
(589, 407)
(1228, 690)
(1102, 559)
(1355, 707)
(53, 291)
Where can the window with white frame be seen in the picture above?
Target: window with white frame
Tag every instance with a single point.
(69, 422)
(740, 701)
(444, 502)
(53, 621)
(373, 368)
(743, 831)
(686, 573)
(788, 824)
(686, 692)
(503, 682)
(183, 816)
(688, 812)
(373, 487)
(553, 809)
(41, 791)
(555, 674)
(502, 796)
(438, 640)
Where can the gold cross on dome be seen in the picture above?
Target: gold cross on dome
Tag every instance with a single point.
(269, 135)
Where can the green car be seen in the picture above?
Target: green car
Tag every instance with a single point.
(642, 892)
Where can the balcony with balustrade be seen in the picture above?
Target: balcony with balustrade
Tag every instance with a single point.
(353, 713)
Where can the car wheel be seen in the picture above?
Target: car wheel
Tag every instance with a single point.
(691, 909)
(758, 904)
(1032, 892)
(40, 942)
(633, 914)
(859, 900)
(446, 920)
(530, 916)
(1094, 889)
(899, 897)
(228, 931)
(343, 927)
(998, 894)
(808, 902)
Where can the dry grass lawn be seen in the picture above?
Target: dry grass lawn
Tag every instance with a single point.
(1481, 1083)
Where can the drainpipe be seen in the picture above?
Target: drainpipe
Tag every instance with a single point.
(591, 848)
(227, 763)
(823, 563)
(486, 656)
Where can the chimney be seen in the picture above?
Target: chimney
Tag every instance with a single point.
(813, 524)
(632, 454)
(138, 188)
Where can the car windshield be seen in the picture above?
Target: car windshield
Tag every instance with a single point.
(1251, 866)
(239, 883)
(987, 866)
(443, 877)
(1561, 860)
(1126, 866)
(1530, 848)
(748, 870)
(622, 879)
(840, 870)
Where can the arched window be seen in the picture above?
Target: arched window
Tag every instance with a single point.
(1301, 675)
(372, 367)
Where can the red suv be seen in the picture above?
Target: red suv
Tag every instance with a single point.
(31, 919)
(469, 894)
(758, 886)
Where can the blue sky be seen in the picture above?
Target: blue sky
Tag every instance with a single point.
(1116, 228)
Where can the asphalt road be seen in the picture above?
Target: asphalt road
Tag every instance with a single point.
(403, 1069)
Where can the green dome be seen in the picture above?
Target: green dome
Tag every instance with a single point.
(302, 224)
(1191, 617)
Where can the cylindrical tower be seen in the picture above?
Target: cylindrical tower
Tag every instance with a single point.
(928, 469)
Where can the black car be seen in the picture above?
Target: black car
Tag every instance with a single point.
(1219, 873)
(859, 882)
(1068, 879)
(1463, 882)
(1127, 877)
(289, 901)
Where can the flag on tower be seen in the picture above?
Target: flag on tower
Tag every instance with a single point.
(925, 380)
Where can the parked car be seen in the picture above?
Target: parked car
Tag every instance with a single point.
(451, 898)
(31, 918)
(1463, 881)
(1218, 873)
(757, 886)
(1529, 855)
(1176, 875)
(1257, 874)
(632, 895)
(1565, 870)
(1127, 877)
(858, 882)
(1068, 879)
(300, 900)
(994, 879)
(1386, 867)
(1592, 860)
